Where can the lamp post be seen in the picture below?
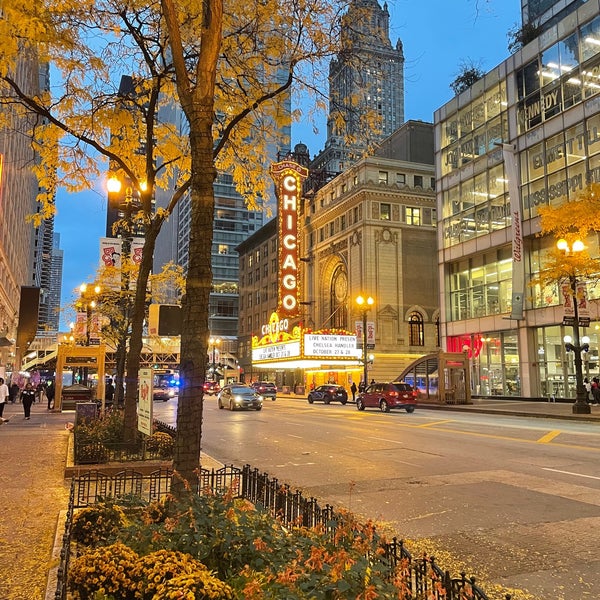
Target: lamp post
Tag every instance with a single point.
(214, 342)
(364, 305)
(576, 344)
(89, 305)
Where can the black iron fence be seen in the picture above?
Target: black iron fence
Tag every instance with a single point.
(91, 451)
(422, 575)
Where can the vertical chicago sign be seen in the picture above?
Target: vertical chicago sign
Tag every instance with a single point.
(288, 177)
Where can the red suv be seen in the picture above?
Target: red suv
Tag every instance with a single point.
(388, 395)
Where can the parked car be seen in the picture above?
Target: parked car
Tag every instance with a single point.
(388, 395)
(266, 389)
(328, 393)
(240, 396)
(211, 387)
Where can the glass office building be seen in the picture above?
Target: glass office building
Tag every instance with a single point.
(544, 102)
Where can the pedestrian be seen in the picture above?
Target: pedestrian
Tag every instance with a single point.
(40, 392)
(27, 398)
(109, 393)
(353, 389)
(361, 386)
(4, 393)
(595, 391)
(13, 392)
(588, 390)
(372, 381)
(50, 395)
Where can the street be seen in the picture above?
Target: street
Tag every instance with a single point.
(512, 500)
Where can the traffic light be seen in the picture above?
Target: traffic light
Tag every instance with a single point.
(164, 319)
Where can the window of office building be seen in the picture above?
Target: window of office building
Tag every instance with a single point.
(559, 168)
(476, 207)
(400, 178)
(385, 212)
(412, 215)
(481, 286)
(418, 180)
(416, 329)
(383, 177)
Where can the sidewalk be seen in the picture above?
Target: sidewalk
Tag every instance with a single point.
(34, 493)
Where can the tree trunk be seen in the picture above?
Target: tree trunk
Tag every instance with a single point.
(194, 336)
(137, 331)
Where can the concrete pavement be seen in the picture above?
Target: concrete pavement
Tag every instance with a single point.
(34, 493)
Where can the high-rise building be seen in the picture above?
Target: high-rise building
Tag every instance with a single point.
(233, 223)
(366, 89)
(525, 135)
(55, 288)
(18, 191)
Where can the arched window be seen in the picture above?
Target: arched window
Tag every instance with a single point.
(339, 299)
(416, 331)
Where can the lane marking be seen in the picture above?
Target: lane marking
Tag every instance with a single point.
(385, 440)
(570, 473)
(435, 423)
(545, 439)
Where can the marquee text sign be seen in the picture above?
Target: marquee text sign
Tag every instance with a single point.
(288, 177)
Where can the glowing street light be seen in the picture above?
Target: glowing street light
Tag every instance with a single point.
(575, 344)
(364, 305)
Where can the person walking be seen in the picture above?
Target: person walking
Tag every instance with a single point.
(50, 395)
(595, 391)
(27, 398)
(353, 389)
(13, 392)
(4, 393)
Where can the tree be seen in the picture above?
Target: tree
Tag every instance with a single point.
(570, 221)
(468, 74)
(229, 67)
(520, 36)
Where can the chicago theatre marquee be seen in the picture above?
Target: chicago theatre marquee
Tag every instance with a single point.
(284, 343)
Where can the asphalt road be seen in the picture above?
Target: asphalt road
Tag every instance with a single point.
(513, 500)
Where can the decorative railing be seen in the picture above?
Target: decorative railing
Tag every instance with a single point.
(423, 576)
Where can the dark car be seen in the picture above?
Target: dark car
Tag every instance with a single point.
(240, 396)
(327, 394)
(388, 395)
(211, 387)
(266, 389)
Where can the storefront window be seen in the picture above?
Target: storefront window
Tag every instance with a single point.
(494, 362)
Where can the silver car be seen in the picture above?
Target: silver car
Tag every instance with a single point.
(239, 396)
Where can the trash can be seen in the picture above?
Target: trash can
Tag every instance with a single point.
(73, 394)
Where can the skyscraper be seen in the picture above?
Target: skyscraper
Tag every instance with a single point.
(18, 191)
(366, 88)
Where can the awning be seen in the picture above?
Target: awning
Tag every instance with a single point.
(307, 363)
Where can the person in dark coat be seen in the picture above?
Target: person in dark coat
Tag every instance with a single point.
(27, 398)
(50, 395)
(13, 392)
(353, 389)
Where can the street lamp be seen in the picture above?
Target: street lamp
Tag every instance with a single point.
(214, 342)
(575, 344)
(364, 305)
(89, 304)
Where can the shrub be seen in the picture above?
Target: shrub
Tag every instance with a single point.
(97, 525)
(119, 573)
(161, 443)
(104, 572)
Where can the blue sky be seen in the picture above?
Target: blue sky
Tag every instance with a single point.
(437, 36)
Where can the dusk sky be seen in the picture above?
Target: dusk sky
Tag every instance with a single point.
(437, 36)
